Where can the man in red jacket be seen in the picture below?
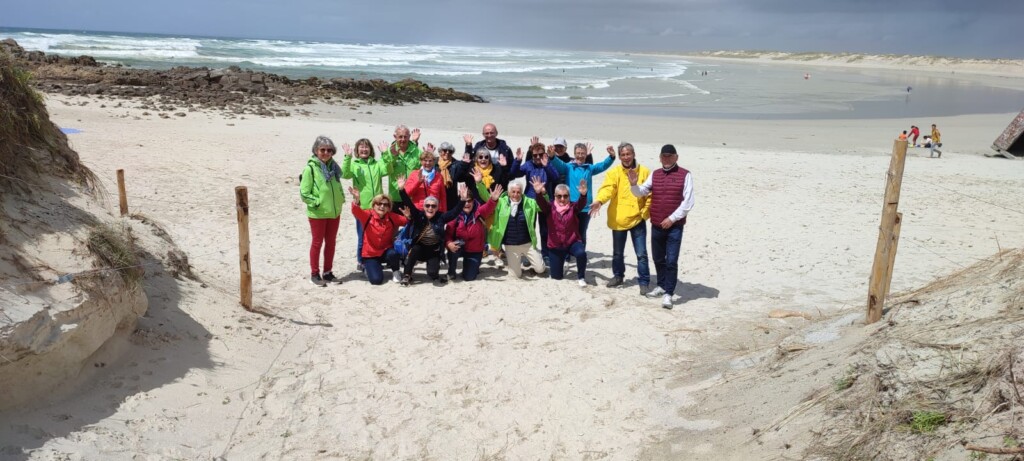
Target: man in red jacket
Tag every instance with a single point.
(671, 191)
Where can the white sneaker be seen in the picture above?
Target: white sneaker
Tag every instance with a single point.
(396, 276)
(583, 283)
(657, 291)
(666, 301)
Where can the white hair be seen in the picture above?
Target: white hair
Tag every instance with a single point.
(430, 199)
(519, 184)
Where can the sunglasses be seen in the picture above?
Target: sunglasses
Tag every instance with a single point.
(483, 157)
(429, 205)
(383, 204)
(538, 155)
(561, 195)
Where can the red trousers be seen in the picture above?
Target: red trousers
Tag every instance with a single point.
(325, 235)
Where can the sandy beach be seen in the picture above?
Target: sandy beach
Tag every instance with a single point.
(786, 217)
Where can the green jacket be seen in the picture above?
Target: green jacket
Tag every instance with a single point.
(502, 212)
(405, 163)
(323, 200)
(366, 175)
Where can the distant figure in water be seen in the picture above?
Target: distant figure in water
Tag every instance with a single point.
(908, 89)
(807, 76)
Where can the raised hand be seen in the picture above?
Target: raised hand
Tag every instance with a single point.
(466, 157)
(534, 140)
(383, 146)
(468, 138)
(633, 176)
(611, 151)
(347, 149)
(582, 188)
(407, 212)
(400, 182)
(496, 192)
(414, 136)
(355, 193)
(595, 209)
(502, 160)
(519, 154)
(544, 160)
(429, 148)
(463, 192)
(478, 175)
(551, 151)
(590, 148)
(538, 184)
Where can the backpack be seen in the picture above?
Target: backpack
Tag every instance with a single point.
(403, 241)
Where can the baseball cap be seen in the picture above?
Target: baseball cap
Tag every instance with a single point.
(668, 149)
(446, 146)
(559, 141)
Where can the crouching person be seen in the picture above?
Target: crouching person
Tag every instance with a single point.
(467, 236)
(515, 218)
(380, 224)
(427, 235)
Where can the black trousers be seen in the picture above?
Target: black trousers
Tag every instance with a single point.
(431, 254)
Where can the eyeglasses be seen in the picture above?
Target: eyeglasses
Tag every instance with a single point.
(561, 195)
(383, 204)
(429, 205)
(324, 149)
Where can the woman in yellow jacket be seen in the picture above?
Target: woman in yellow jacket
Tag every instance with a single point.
(627, 216)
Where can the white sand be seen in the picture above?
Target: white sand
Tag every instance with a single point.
(786, 217)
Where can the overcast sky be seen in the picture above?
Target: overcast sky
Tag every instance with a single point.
(981, 28)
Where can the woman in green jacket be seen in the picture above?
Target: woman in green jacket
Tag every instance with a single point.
(366, 173)
(320, 188)
(514, 219)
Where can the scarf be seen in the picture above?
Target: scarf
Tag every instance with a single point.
(514, 207)
(561, 209)
(428, 175)
(468, 218)
(445, 174)
(331, 171)
(488, 179)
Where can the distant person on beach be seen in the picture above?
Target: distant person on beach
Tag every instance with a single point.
(382, 224)
(321, 190)
(560, 147)
(466, 237)
(564, 227)
(578, 170)
(496, 147)
(515, 217)
(671, 190)
(914, 133)
(627, 216)
(427, 235)
(366, 174)
(537, 165)
(406, 152)
(936, 142)
(427, 181)
(903, 136)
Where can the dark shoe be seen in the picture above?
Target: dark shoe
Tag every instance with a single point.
(644, 289)
(614, 282)
(330, 278)
(441, 280)
(316, 280)
(360, 267)
(406, 280)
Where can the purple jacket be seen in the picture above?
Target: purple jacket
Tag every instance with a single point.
(563, 229)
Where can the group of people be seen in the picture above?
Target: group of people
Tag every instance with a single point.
(932, 142)
(441, 210)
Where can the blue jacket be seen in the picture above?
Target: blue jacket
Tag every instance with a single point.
(548, 174)
(577, 172)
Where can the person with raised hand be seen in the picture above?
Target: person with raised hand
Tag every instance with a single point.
(381, 224)
(467, 236)
(427, 234)
(627, 216)
(427, 181)
(563, 226)
(579, 170)
(671, 191)
(538, 165)
(321, 190)
(515, 217)
(494, 146)
(367, 174)
(455, 173)
(406, 152)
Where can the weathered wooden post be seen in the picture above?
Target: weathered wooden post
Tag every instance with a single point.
(885, 250)
(122, 195)
(244, 266)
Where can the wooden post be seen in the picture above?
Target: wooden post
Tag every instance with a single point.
(881, 269)
(245, 269)
(892, 254)
(122, 195)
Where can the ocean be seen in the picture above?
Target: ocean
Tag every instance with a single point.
(562, 79)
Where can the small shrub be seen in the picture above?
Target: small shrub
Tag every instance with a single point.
(924, 422)
(116, 248)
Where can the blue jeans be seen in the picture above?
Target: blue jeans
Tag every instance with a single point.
(558, 256)
(639, 237)
(359, 246)
(470, 264)
(665, 251)
(375, 266)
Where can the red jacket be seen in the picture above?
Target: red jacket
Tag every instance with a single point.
(378, 232)
(419, 190)
(563, 229)
(475, 231)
